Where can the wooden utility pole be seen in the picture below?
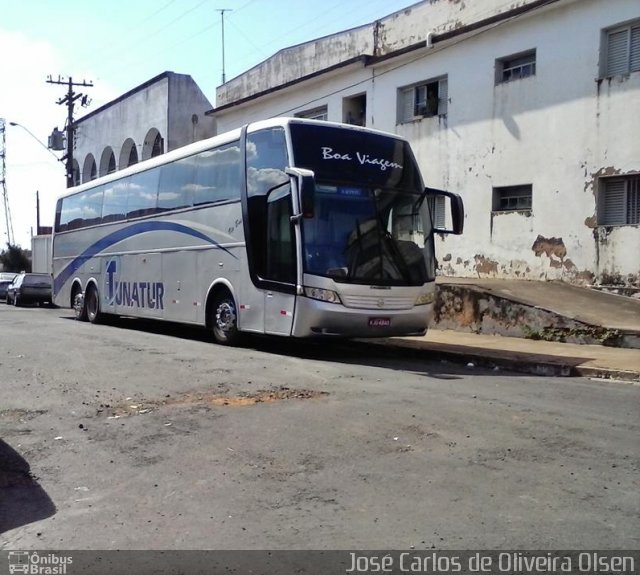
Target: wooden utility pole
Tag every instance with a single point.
(69, 99)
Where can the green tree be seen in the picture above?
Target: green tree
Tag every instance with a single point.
(15, 259)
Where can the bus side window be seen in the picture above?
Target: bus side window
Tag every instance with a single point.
(114, 207)
(91, 205)
(177, 182)
(142, 193)
(58, 225)
(218, 174)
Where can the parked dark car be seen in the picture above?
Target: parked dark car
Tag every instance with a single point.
(30, 288)
(6, 279)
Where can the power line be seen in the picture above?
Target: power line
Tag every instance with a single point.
(142, 41)
(109, 46)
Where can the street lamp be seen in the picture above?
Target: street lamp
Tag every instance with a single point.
(35, 138)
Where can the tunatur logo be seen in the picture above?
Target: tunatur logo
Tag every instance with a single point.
(32, 563)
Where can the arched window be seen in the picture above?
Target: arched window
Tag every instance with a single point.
(107, 162)
(89, 169)
(153, 144)
(128, 154)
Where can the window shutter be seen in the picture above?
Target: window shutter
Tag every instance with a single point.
(613, 206)
(635, 49)
(633, 201)
(443, 96)
(439, 217)
(618, 52)
(406, 104)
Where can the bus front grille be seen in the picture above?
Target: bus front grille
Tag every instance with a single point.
(376, 302)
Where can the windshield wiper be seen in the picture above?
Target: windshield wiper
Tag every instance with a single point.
(354, 261)
(398, 259)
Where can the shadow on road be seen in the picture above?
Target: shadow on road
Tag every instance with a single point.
(347, 351)
(22, 500)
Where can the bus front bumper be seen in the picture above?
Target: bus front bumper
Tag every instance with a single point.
(314, 318)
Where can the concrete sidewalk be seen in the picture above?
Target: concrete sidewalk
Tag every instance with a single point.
(525, 355)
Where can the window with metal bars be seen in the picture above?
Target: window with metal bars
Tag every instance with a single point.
(621, 47)
(512, 198)
(619, 201)
(516, 66)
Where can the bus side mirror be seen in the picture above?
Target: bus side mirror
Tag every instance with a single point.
(306, 189)
(456, 205)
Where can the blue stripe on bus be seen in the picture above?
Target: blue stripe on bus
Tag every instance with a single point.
(123, 234)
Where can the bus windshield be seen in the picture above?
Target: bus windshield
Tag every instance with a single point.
(368, 235)
(370, 222)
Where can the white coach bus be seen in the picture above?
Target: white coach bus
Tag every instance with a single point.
(288, 226)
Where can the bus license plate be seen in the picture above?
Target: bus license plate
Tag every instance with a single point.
(379, 321)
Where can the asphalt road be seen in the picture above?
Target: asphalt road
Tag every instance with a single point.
(143, 435)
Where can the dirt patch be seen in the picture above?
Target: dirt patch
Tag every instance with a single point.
(214, 398)
(20, 415)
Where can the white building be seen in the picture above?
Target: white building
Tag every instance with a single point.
(164, 113)
(529, 109)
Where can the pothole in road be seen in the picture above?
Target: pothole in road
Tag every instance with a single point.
(212, 398)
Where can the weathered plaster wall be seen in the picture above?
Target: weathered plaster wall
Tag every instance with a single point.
(326, 90)
(186, 100)
(293, 63)
(561, 131)
(393, 32)
(556, 130)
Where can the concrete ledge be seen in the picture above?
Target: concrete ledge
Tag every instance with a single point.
(525, 356)
(548, 311)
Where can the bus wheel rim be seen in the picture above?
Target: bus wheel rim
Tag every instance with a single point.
(78, 302)
(225, 316)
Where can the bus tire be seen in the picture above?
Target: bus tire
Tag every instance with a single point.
(225, 319)
(77, 303)
(92, 305)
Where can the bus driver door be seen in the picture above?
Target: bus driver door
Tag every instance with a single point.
(280, 262)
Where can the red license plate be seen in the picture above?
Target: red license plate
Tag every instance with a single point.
(379, 321)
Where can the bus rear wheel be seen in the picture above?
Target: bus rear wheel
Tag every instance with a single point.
(92, 305)
(225, 320)
(77, 302)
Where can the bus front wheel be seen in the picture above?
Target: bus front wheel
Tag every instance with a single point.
(225, 320)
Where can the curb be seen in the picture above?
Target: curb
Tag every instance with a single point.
(521, 363)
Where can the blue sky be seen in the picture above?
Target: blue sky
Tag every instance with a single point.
(118, 45)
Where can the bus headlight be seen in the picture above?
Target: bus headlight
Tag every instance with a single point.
(322, 294)
(425, 298)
